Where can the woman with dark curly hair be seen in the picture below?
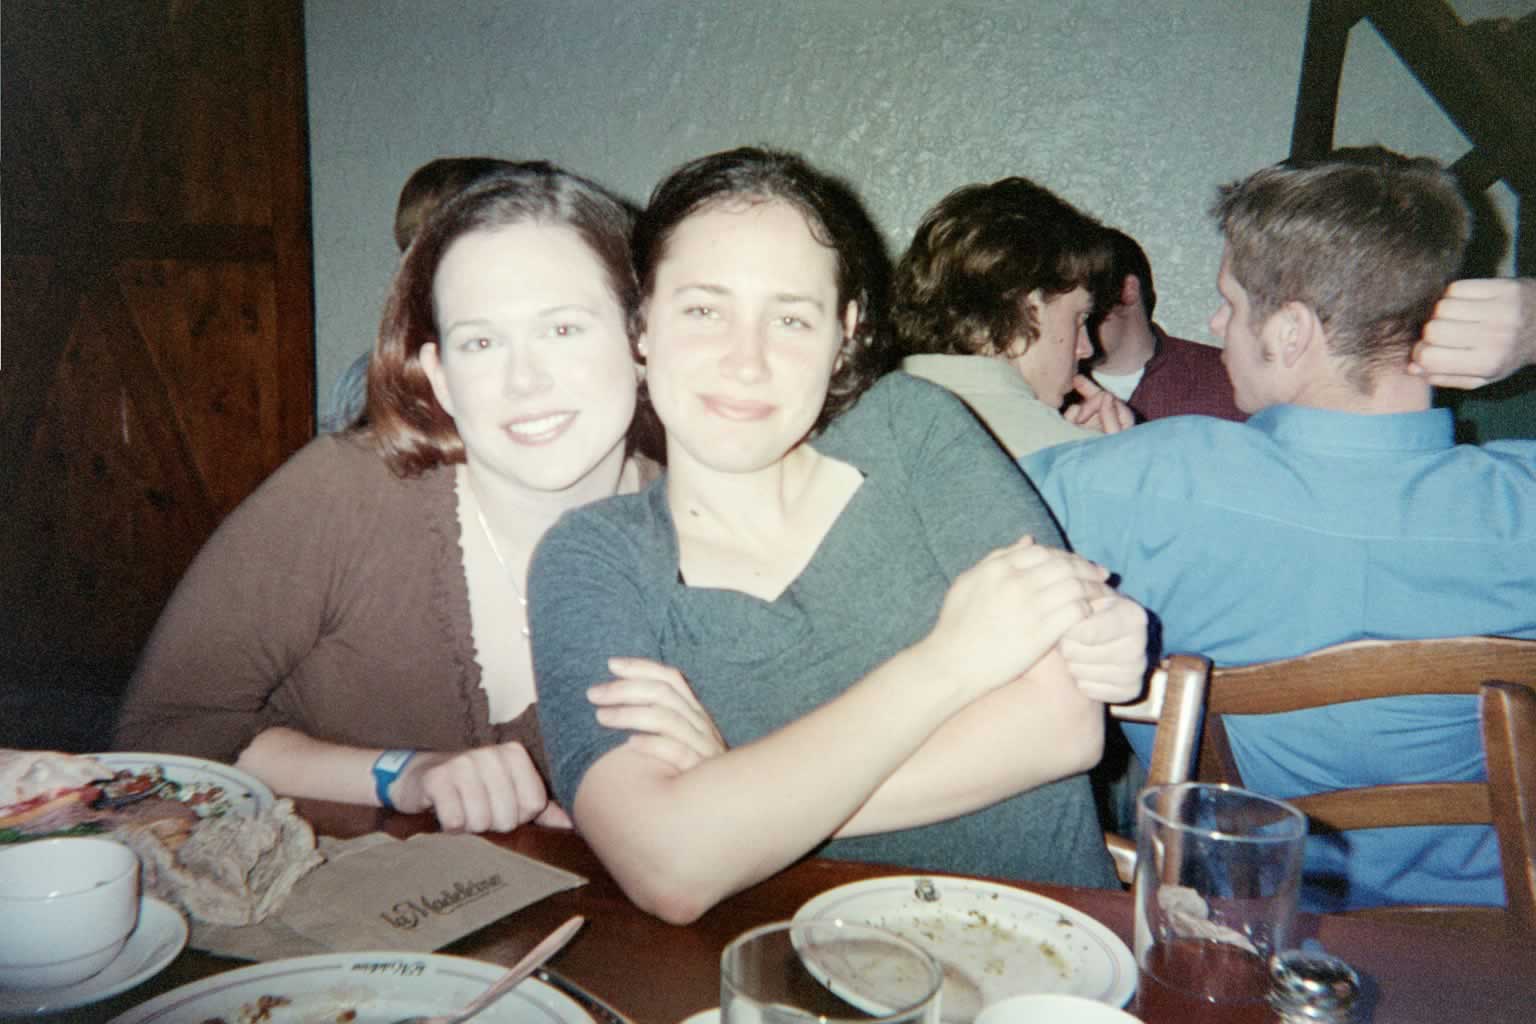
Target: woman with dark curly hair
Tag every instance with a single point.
(842, 620)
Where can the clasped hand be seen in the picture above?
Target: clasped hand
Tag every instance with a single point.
(1107, 651)
(1004, 614)
(485, 789)
(657, 706)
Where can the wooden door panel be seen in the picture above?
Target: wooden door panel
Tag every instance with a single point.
(157, 319)
(76, 76)
(103, 497)
(201, 326)
(203, 155)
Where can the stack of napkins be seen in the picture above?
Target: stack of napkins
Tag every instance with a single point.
(377, 892)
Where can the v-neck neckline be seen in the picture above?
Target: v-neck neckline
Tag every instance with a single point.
(796, 583)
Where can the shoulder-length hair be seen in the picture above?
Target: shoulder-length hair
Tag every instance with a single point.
(408, 427)
(836, 219)
(978, 254)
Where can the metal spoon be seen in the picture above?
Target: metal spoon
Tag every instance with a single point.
(534, 959)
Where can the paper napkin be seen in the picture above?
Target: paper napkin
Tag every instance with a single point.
(377, 892)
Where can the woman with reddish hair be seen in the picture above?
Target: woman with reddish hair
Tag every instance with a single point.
(356, 629)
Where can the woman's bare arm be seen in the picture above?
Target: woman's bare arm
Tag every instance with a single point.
(484, 789)
(678, 842)
(1044, 726)
(1037, 729)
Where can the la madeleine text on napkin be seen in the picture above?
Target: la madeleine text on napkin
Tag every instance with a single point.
(378, 892)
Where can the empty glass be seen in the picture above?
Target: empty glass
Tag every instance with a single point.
(791, 973)
(1217, 874)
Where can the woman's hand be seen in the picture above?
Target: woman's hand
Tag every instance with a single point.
(1003, 614)
(554, 816)
(1100, 409)
(1107, 651)
(486, 789)
(655, 703)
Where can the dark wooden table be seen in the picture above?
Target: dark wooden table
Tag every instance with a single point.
(656, 973)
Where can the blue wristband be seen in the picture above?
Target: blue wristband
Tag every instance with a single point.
(386, 769)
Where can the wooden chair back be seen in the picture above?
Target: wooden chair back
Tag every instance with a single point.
(1509, 745)
(1501, 670)
(1174, 702)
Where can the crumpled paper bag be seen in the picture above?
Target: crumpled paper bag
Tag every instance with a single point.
(378, 892)
(232, 869)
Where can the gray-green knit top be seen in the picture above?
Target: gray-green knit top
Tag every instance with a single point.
(937, 495)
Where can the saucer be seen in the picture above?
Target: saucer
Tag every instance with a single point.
(154, 943)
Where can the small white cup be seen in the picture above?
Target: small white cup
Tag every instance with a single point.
(67, 906)
(1052, 1009)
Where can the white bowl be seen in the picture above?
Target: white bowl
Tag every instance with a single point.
(68, 906)
(1052, 1009)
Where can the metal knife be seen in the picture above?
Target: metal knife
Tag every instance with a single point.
(600, 1011)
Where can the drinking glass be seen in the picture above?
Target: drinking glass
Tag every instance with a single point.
(827, 970)
(1217, 873)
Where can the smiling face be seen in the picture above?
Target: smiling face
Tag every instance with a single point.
(1247, 351)
(1049, 363)
(742, 335)
(533, 362)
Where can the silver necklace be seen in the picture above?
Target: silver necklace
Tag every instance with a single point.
(485, 528)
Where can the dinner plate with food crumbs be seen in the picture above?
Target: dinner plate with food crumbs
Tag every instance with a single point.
(992, 941)
(355, 988)
(210, 787)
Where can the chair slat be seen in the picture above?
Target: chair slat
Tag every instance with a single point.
(1173, 748)
(1438, 803)
(1367, 669)
(1509, 745)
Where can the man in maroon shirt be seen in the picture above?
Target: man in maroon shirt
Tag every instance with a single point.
(1156, 374)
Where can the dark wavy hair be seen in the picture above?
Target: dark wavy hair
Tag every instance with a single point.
(836, 218)
(961, 285)
(1131, 260)
(404, 421)
(1366, 237)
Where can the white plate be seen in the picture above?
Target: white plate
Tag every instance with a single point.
(709, 1016)
(244, 793)
(993, 941)
(154, 943)
(380, 988)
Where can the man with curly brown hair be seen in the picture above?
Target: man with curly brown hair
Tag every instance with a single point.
(992, 301)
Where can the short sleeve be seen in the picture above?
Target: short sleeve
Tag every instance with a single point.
(970, 496)
(590, 598)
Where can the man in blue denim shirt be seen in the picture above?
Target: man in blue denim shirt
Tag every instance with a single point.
(1342, 509)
